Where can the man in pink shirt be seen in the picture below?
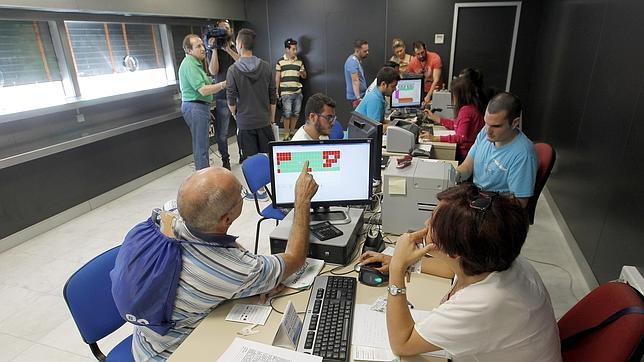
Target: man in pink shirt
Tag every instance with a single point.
(429, 64)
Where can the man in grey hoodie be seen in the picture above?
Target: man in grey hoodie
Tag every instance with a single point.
(250, 91)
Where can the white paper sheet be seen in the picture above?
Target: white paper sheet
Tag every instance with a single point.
(249, 313)
(242, 350)
(397, 186)
(443, 132)
(370, 329)
(361, 353)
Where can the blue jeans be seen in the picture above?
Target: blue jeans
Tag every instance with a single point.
(222, 115)
(291, 105)
(197, 116)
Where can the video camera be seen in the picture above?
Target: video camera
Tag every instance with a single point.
(220, 35)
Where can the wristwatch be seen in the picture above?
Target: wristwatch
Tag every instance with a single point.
(394, 290)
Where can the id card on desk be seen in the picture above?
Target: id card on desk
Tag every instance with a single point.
(249, 313)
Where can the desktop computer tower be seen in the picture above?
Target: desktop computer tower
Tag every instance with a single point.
(337, 250)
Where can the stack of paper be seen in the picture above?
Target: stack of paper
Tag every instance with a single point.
(370, 341)
(249, 351)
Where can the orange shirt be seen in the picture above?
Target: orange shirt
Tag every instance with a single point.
(432, 61)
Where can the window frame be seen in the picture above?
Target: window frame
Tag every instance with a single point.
(74, 99)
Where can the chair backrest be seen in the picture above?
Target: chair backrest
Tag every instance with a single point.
(337, 133)
(546, 157)
(256, 171)
(88, 294)
(614, 342)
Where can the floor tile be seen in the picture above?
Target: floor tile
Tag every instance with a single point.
(40, 316)
(38, 352)
(10, 346)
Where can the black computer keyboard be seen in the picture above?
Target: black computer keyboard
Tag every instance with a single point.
(325, 230)
(326, 331)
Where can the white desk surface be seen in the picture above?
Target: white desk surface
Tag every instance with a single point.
(213, 336)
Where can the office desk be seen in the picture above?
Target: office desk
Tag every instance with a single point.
(214, 334)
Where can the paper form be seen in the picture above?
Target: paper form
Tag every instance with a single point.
(249, 313)
(242, 350)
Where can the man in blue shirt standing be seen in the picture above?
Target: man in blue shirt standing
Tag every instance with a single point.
(354, 79)
(373, 104)
(502, 158)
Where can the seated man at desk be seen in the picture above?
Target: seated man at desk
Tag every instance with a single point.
(502, 158)
(320, 116)
(497, 308)
(209, 201)
(373, 104)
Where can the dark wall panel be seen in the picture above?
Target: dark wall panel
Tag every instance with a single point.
(583, 101)
(326, 29)
(35, 190)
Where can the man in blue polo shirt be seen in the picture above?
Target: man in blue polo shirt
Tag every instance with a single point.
(354, 79)
(502, 158)
(373, 104)
(196, 96)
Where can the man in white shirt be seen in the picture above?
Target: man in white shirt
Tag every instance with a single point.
(320, 116)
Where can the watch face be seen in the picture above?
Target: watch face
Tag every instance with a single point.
(393, 290)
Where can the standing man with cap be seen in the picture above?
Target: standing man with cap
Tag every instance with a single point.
(196, 97)
(289, 70)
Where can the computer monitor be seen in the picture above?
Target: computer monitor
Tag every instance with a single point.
(361, 127)
(408, 93)
(340, 168)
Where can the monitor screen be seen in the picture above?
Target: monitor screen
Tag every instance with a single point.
(408, 93)
(341, 168)
(360, 127)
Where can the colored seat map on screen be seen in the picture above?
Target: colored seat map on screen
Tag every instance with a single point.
(319, 161)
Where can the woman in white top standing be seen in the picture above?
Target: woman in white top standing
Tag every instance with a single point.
(498, 308)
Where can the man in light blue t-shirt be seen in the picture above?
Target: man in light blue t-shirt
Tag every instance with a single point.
(373, 104)
(502, 158)
(354, 78)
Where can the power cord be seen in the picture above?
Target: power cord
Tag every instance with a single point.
(270, 301)
(570, 279)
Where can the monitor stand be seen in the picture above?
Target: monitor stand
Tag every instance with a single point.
(336, 217)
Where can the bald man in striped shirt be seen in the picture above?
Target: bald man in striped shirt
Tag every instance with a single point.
(209, 201)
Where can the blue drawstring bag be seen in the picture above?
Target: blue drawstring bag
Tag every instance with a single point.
(146, 275)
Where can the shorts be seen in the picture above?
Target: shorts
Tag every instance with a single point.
(291, 105)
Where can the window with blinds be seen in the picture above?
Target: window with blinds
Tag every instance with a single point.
(114, 58)
(28, 66)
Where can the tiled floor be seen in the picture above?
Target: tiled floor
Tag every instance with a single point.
(35, 324)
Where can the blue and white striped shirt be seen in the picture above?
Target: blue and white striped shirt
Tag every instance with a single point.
(209, 276)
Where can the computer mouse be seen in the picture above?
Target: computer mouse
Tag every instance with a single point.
(369, 275)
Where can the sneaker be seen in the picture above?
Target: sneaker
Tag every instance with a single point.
(226, 164)
(262, 195)
(247, 195)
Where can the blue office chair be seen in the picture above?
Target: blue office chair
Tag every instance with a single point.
(88, 294)
(337, 132)
(256, 171)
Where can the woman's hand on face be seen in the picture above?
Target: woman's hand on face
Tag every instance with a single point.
(407, 251)
(369, 257)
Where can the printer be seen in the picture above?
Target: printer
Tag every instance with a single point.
(402, 136)
(410, 193)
